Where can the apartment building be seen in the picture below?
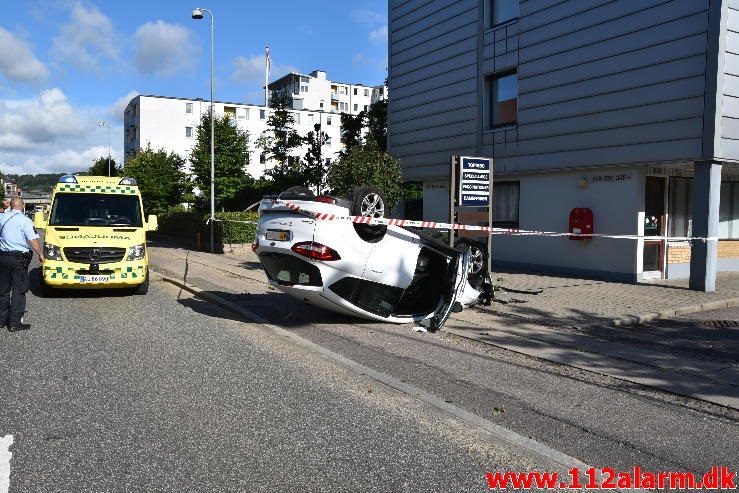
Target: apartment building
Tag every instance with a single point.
(629, 109)
(315, 92)
(170, 123)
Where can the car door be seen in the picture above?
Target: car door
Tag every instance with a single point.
(392, 259)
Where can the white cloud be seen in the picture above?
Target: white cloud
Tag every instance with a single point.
(88, 39)
(17, 61)
(252, 69)
(49, 134)
(27, 123)
(164, 49)
(367, 16)
(378, 35)
(63, 161)
(116, 110)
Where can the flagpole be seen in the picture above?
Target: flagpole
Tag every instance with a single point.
(266, 77)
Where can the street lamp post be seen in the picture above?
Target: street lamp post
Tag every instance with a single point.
(198, 14)
(103, 123)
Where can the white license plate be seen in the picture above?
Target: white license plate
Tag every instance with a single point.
(277, 235)
(94, 278)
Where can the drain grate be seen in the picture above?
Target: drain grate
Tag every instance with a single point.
(721, 324)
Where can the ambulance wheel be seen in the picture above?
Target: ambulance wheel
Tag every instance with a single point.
(44, 290)
(143, 288)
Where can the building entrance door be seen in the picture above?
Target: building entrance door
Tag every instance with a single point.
(654, 225)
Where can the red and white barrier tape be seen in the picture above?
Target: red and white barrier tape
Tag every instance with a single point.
(465, 227)
(484, 229)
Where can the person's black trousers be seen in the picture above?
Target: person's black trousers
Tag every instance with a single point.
(13, 274)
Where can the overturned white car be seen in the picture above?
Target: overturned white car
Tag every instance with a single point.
(311, 251)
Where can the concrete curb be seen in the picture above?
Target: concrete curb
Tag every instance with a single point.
(672, 312)
(563, 461)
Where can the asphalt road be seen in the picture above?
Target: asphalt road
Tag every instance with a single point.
(168, 393)
(599, 420)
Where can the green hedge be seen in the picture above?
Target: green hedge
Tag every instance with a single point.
(186, 225)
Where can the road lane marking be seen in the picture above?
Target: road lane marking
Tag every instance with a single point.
(5, 455)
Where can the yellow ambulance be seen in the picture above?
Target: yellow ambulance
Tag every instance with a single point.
(95, 235)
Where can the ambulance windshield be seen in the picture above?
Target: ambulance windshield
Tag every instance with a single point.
(89, 209)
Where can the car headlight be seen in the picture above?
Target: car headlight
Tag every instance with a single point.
(136, 252)
(51, 252)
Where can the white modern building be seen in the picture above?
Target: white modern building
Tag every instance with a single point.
(170, 123)
(315, 92)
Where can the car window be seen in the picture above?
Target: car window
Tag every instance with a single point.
(373, 297)
(289, 270)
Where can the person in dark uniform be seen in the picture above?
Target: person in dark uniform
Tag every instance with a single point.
(16, 236)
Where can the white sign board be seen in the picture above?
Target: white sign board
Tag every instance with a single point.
(474, 181)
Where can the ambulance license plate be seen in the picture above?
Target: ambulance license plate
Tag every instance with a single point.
(277, 235)
(94, 278)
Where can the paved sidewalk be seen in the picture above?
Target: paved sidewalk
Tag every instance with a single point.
(542, 326)
(570, 301)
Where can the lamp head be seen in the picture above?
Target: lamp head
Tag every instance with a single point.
(197, 14)
(101, 123)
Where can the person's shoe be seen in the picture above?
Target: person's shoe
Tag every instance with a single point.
(18, 327)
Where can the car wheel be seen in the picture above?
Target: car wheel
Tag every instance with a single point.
(368, 201)
(478, 257)
(142, 288)
(298, 190)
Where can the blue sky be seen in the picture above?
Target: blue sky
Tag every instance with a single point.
(67, 64)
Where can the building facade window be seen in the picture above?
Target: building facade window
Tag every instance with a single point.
(366, 92)
(356, 107)
(297, 118)
(188, 132)
(356, 91)
(681, 209)
(261, 114)
(505, 204)
(500, 11)
(328, 120)
(246, 113)
(262, 158)
(728, 216)
(188, 108)
(502, 91)
(321, 104)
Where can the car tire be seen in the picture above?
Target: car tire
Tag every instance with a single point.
(478, 257)
(369, 201)
(142, 288)
(371, 233)
(298, 190)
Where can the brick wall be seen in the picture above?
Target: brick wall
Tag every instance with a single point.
(680, 254)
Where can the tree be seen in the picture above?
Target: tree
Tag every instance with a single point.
(367, 164)
(351, 130)
(161, 178)
(281, 139)
(377, 123)
(231, 159)
(100, 168)
(314, 167)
